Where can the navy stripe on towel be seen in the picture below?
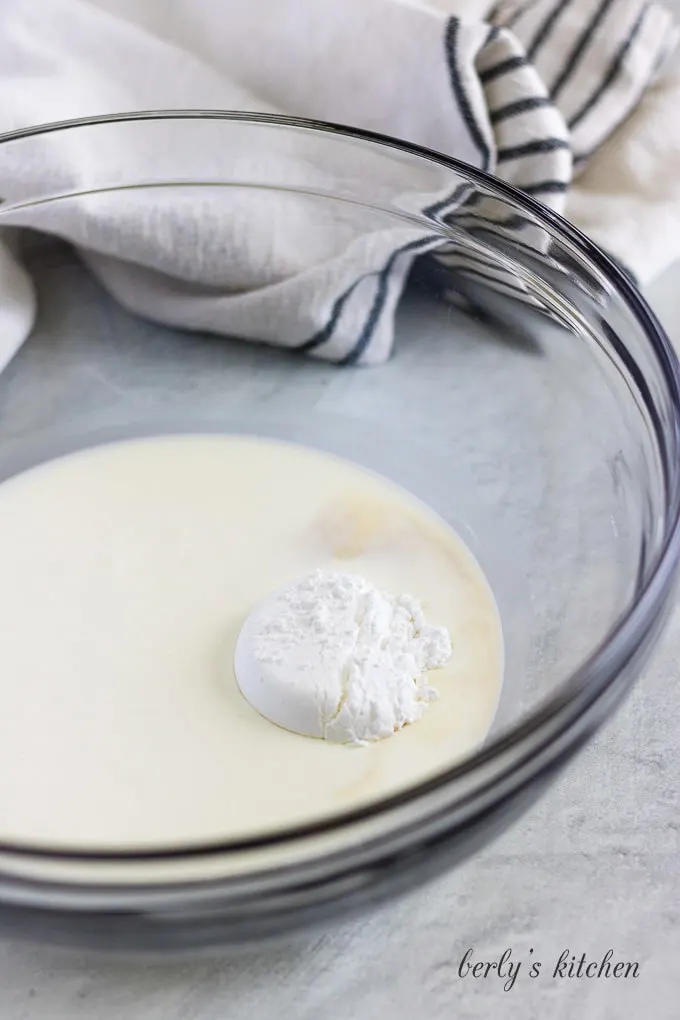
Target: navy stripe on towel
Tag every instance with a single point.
(520, 106)
(545, 188)
(546, 28)
(580, 47)
(451, 46)
(505, 66)
(366, 335)
(612, 72)
(538, 145)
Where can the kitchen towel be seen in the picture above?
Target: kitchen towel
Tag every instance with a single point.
(572, 101)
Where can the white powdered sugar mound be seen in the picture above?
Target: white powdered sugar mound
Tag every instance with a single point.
(332, 656)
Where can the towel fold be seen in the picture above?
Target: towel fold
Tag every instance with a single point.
(571, 101)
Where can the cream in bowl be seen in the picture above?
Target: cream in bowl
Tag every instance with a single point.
(129, 571)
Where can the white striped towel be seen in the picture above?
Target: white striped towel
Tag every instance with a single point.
(572, 101)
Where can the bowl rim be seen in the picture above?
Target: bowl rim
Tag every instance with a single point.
(559, 713)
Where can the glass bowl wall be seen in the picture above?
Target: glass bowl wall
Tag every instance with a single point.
(532, 400)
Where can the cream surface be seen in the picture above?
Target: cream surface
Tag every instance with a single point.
(127, 571)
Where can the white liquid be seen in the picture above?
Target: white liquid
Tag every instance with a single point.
(126, 572)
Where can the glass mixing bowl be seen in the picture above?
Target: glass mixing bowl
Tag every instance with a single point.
(532, 400)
